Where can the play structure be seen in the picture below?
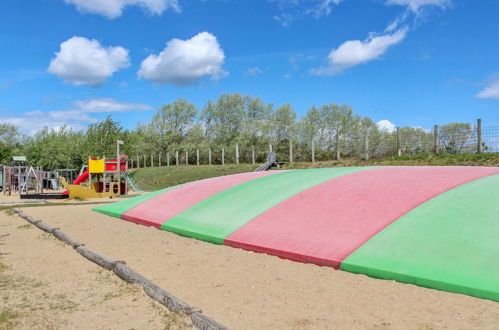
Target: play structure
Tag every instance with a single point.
(30, 182)
(436, 227)
(101, 178)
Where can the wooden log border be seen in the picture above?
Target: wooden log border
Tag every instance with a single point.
(120, 268)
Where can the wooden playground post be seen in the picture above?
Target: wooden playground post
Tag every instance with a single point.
(223, 156)
(237, 153)
(313, 151)
(436, 141)
(479, 136)
(399, 148)
(338, 150)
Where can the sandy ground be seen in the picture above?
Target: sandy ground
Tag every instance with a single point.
(240, 289)
(44, 284)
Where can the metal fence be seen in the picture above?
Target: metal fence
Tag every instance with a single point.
(464, 139)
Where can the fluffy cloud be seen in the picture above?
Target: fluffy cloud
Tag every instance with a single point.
(355, 52)
(490, 92)
(81, 61)
(114, 8)
(414, 5)
(183, 62)
(386, 125)
(78, 116)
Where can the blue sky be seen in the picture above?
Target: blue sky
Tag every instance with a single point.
(412, 62)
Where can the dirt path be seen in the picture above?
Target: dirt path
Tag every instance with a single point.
(246, 290)
(45, 284)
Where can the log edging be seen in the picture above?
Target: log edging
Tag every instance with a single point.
(123, 271)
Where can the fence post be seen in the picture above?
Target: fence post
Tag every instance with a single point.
(253, 154)
(223, 156)
(186, 157)
(159, 161)
(338, 151)
(209, 156)
(145, 161)
(168, 159)
(479, 136)
(152, 160)
(290, 150)
(197, 156)
(366, 144)
(237, 153)
(270, 147)
(399, 149)
(313, 151)
(176, 158)
(138, 162)
(436, 142)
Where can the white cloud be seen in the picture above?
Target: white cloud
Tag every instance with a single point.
(114, 8)
(355, 52)
(183, 62)
(253, 72)
(490, 92)
(386, 125)
(291, 9)
(76, 117)
(81, 61)
(414, 5)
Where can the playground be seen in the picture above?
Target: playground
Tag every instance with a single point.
(251, 243)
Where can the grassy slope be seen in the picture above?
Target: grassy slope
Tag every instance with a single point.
(162, 177)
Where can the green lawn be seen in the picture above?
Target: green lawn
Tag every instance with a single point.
(150, 179)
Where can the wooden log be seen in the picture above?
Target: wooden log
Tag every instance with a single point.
(45, 227)
(152, 290)
(100, 260)
(203, 322)
(65, 238)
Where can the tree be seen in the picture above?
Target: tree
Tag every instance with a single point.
(102, 137)
(457, 138)
(172, 123)
(223, 119)
(10, 141)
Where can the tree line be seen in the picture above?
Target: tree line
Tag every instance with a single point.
(332, 130)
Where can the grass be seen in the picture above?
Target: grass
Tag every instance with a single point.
(6, 318)
(161, 177)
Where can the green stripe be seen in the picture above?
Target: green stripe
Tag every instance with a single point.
(449, 243)
(118, 208)
(218, 216)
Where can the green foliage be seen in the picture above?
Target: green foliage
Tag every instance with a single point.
(102, 137)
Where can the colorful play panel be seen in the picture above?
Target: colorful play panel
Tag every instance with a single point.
(436, 227)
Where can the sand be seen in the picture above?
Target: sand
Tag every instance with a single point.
(240, 289)
(45, 284)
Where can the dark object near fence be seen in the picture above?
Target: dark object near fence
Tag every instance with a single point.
(271, 161)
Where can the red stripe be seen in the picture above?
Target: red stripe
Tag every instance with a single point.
(161, 208)
(326, 223)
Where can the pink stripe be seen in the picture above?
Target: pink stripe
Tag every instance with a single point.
(326, 223)
(161, 208)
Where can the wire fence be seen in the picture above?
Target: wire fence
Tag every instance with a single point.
(463, 139)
